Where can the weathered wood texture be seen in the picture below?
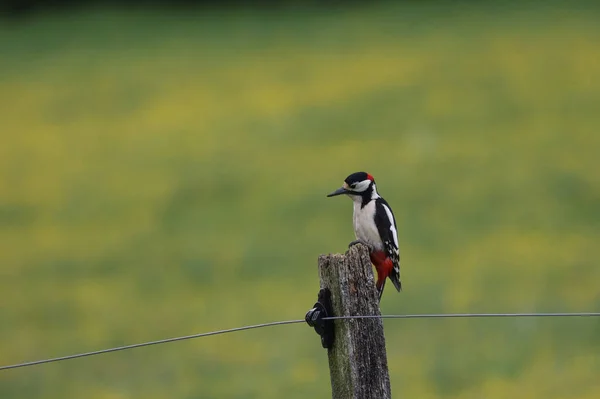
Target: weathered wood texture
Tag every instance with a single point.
(357, 361)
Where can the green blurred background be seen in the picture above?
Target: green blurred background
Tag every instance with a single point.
(164, 172)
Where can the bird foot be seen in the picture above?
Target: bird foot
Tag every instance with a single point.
(353, 243)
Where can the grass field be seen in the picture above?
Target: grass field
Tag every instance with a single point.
(164, 174)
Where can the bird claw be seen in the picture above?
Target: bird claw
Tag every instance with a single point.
(355, 242)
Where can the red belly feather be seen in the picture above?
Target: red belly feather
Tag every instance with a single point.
(383, 264)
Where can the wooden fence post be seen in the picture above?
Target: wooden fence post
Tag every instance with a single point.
(357, 360)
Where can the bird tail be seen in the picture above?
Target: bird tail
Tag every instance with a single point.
(380, 286)
(396, 281)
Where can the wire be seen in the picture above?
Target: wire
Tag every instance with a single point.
(465, 315)
(162, 341)
(279, 323)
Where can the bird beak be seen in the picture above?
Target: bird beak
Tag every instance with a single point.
(339, 191)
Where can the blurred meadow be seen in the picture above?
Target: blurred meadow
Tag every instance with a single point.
(164, 173)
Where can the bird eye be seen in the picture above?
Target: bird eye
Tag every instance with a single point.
(353, 185)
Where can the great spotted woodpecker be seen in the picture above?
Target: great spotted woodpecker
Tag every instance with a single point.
(374, 226)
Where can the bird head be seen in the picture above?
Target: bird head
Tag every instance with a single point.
(356, 185)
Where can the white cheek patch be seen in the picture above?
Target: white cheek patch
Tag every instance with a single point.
(392, 225)
(362, 186)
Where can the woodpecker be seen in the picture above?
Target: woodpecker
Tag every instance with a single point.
(374, 226)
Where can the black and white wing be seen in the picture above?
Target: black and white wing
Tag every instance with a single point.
(386, 224)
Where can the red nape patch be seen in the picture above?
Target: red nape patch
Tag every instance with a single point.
(370, 177)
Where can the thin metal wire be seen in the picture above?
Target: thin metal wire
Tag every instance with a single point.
(465, 315)
(278, 323)
(162, 341)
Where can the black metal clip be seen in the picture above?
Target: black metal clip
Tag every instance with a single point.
(314, 318)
